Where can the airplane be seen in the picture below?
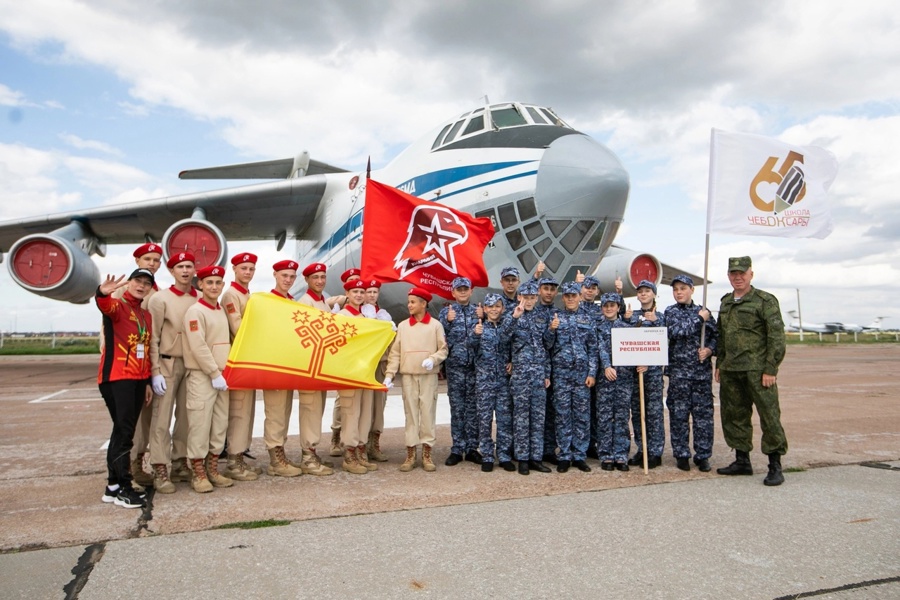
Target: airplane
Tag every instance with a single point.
(875, 325)
(813, 327)
(553, 193)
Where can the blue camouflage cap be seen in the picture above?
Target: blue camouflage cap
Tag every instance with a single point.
(611, 297)
(570, 287)
(548, 281)
(492, 299)
(529, 288)
(590, 281)
(509, 271)
(647, 284)
(460, 282)
(683, 279)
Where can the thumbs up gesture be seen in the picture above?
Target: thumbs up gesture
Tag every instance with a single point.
(579, 276)
(628, 312)
(451, 314)
(479, 311)
(619, 286)
(555, 322)
(479, 329)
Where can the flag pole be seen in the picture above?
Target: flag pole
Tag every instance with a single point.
(709, 211)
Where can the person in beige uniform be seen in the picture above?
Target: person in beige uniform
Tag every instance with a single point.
(356, 405)
(419, 347)
(312, 402)
(379, 398)
(207, 341)
(277, 403)
(241, 403)
(146, 256)
(167, 368)
(337, 302)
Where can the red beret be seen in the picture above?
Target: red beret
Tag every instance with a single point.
(423, 294)
(180, 257)
(147, 249)
(356, 283)
(211, 271)
(374, 283)
(243, 258)
(283, 265)
(349, 273)
(313, 268)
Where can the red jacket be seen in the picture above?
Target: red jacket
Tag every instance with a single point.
(126, 332)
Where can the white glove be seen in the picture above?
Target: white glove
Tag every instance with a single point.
(219, 383)
(428, 364)
(336, 308)
(368, 311)
(388, 382)
(383, 315)
(158, 383)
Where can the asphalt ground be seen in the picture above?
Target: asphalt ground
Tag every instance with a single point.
(831, 531)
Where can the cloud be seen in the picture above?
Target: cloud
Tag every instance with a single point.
(82, 144)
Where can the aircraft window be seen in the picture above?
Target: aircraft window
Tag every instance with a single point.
(490, 215)
(554, 260)
(542, 246)
(453, 132)
(536, 116)
(557, 227)
(534, 230)
(554, 120)
(593, 244)
(515, 238)
(507, 215)
(576, 234)
(507, 117)
(476, 124)
(573, 272)
(527, 209)
(528, 260)
(437, 140)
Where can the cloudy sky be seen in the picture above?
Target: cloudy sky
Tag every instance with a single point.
(106, 101)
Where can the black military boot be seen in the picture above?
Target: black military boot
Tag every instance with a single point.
(775, 477)
(740, 466)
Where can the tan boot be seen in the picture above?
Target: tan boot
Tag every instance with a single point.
(212, 472)
(180, 471)
(410, 463)
(311, 464)
(427, 463)
(239, 471)
(363, 458)
(374, 447)
(161, 482)
(199, 481)
(138, 474)
(278, 466)
(335, 443)
(351, 463)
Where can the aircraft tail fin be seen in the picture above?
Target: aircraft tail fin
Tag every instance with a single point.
(284, 168)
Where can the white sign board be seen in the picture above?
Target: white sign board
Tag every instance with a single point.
(640, 346)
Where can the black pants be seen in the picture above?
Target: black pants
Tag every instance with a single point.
(124, 400)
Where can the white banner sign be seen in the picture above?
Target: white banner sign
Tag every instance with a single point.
(640, 346)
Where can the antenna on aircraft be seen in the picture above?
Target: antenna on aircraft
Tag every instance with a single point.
(369, 168)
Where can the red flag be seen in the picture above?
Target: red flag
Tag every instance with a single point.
(425, 243)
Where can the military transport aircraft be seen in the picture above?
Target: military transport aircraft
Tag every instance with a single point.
(554, 195)
(833, 326)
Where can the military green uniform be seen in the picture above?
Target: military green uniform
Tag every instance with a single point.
(751, 343)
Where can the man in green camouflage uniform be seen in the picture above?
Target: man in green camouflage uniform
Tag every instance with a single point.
(751, 347)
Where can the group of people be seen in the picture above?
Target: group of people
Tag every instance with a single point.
(528, 381)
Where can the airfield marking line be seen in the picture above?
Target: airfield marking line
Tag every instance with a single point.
(47, 397)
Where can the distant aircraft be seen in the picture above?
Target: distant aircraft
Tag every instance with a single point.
(834, 326)
(553, 194)
(875, 325)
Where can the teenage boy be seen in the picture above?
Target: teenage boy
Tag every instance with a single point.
(654, 420)
(614, 393)
(419, 347)
(336, 302)
(379, 398)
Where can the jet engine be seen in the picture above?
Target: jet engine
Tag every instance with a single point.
(58, 265)
(632, 267)
(199, 237)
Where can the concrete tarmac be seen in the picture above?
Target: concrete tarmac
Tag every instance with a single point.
(831, 531)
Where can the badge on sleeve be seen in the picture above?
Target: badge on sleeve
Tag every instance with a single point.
(231, 308)
(194, 325)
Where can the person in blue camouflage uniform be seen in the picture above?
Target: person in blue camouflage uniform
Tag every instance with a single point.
(590, 289)
(459, 319)
(614, 391)
(654, 419)
(529, 379)
(548, 287)
(690, 397)
(509, 283)
(491, 347)
(573, 363)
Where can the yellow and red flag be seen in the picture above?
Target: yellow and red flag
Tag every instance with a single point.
(283, 345)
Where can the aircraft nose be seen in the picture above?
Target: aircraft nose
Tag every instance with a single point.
(579, 177)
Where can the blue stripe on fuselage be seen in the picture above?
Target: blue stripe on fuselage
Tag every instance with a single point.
(428, 182)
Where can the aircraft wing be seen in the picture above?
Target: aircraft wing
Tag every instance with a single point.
(269, 169)
(259, 211)
(669, 272)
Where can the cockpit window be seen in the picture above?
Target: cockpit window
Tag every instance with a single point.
(536, 116)
(507, 117)
(453, 132)
(476, 124)
(495, 118)
(440, 137)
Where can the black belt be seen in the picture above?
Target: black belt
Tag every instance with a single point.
(164, 356)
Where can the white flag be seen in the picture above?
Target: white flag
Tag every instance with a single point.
(762, 186)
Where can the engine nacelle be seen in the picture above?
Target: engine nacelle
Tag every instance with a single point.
(54, 267)
(201, 238)
(632, 267)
